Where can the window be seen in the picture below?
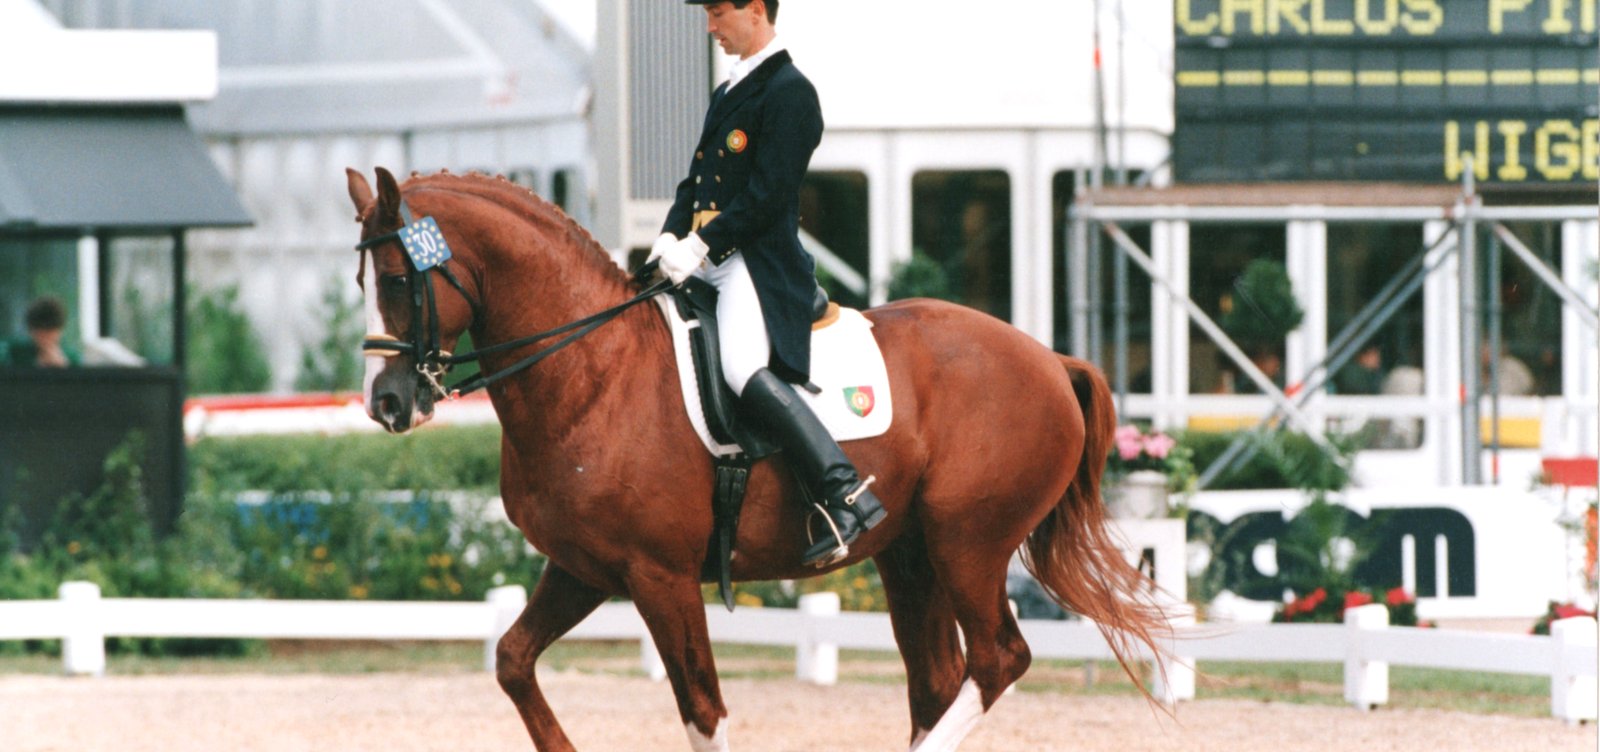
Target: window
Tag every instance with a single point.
(1140, 288)
(32, 267)
(1218, 257)
(137, 298)
(961, 221)
(1362, 258)
(833, 211)
(1530, 318)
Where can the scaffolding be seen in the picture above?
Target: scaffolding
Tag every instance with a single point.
(1451, 216)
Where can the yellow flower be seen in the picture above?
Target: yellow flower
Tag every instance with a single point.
(748, 599)
(859, 583)
(358, 591)
(320, 552)
(73, 547)
(430, 583)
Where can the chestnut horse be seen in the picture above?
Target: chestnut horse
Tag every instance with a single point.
(997, 443)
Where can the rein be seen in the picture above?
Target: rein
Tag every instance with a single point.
(432, 362)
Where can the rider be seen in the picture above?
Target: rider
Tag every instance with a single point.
(735, 224)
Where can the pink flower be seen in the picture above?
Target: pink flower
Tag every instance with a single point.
(1158, 444)
(1129, 442)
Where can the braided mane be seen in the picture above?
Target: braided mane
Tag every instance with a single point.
(525, 203)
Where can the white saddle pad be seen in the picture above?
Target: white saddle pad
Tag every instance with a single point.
(845, 363)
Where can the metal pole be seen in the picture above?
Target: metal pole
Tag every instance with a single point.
(1122, 98)
(1096, 298)
(1078, 280)
(1119, 276)
(1495, 347)
(1471, 390)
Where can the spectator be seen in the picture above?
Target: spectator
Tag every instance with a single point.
(46, 321)
(1362, 375)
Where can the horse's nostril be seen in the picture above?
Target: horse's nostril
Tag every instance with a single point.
(388, 408)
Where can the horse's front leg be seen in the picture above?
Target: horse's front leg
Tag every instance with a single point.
(675, 614)
(559, 602)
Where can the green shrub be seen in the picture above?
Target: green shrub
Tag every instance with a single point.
(225, 355)
(435, 459)
(333, 363)
(1282, 460)
(921, 277)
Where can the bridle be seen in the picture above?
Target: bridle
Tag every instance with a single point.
(432, 362)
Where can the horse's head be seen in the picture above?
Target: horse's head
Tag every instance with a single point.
(412, 323)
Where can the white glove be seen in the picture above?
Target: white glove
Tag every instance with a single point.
(661, 245)
(680, 258)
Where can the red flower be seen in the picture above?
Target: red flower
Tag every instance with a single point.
(1356, 598)
(1397, 597)
(1315, 599)
(1568, 611)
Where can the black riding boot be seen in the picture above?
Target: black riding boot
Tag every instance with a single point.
(843, 498)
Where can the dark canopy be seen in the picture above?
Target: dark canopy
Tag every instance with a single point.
(121, 167)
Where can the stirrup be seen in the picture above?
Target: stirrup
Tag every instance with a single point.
(841, 551)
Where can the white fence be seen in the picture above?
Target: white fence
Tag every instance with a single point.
(1365, 644)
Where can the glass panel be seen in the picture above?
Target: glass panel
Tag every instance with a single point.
(33, 268)
(1063, 188)
(1218, 256)
(138, 295)
(1140, 289)
(1362, 258)
(833, 209)
(1530, 314)
(962, 222)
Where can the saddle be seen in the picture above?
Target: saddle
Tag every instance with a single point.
(696, 303)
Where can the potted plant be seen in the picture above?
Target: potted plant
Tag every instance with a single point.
(1143, 469)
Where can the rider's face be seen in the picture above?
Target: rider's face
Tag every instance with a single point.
(735, 29)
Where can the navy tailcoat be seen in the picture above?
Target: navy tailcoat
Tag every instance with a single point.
(742, 195)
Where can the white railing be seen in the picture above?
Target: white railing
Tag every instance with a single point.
(1365, 644)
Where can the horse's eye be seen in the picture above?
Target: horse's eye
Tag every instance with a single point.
(393, 282)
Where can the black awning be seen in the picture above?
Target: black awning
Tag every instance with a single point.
(131, 167)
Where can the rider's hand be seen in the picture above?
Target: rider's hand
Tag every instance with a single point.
(679, 258)
(662, 243)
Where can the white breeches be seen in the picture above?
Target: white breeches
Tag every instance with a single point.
(742, 330)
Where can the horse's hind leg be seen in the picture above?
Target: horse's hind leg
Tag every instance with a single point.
(675, 614)
(996, 653)
(925, 629)
(559, 602)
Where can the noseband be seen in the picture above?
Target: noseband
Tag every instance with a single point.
(432, 362)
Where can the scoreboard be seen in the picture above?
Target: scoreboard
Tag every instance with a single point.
(1391, 90)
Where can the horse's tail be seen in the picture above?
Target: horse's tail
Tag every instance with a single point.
(1072, 554)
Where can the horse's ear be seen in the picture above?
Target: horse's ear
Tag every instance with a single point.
(360, 190)
(388, 197)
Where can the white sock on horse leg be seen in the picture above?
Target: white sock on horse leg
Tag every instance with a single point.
(717, 742)
(956, 723)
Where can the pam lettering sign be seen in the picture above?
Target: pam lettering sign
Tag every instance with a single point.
(1387, 90)
(1465, 552)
